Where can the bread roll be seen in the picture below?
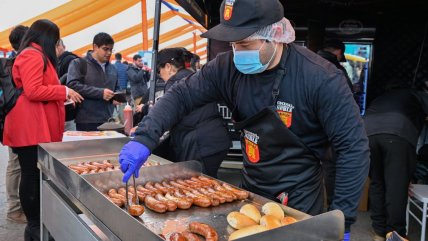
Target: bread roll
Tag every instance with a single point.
(247, 231)
(270, 222)
(238, 220)
(251, 211)
(273, 209)
(288, 220)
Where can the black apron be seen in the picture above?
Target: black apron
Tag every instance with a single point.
(277, 164)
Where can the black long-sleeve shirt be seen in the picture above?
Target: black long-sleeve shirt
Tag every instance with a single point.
(398, 112)
(324, 112)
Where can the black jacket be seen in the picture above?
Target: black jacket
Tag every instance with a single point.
(398, 112)
(64, 61)
(93, 109)
(138, 81)
(199, 134)
(324, 111)
(333, 59)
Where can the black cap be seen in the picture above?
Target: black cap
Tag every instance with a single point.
(168, 54)
(336, 44)
(239, 19)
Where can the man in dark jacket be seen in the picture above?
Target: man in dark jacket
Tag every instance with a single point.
(334, 51)
(97, 86)
(64, 60)
(393, 123)
(121, 72)
(288, 102)
(137, 79)
(200, 135)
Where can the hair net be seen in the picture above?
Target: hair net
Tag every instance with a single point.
(280, 32)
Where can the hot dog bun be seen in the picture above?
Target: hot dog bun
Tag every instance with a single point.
(251, 211)
(270, 222)
(238, 220)
(273, 209)
(288, 220)
(247, 231)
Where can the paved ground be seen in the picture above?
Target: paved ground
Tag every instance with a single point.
(10, 231)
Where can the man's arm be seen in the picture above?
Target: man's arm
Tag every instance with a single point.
(74, 81)
(201, 88)
(341, 120)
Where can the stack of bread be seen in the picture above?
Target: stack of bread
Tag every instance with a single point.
(250, 221)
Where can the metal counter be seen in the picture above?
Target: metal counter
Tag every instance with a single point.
(74, 207)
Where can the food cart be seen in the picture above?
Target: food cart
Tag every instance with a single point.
(75, 207)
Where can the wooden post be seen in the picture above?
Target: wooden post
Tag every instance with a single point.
(144, 25)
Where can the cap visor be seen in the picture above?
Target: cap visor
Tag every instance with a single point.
(228, 34)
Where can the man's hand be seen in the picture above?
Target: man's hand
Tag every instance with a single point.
(108, 94)
(74, 96)
(139, 108)
(116, 103)
(131, 159)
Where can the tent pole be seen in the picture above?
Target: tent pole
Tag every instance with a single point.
(153, 76)
(194, 42)
(144, 25)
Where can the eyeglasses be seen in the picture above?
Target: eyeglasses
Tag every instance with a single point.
(107, 49)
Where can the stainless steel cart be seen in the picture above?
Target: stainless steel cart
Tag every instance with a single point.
(74, 207)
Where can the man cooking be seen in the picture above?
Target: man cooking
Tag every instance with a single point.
(288, 102)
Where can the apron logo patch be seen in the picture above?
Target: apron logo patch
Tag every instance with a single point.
(228, 9)
(285, 112)
(251, 147)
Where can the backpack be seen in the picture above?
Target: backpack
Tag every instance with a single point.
(8, 92)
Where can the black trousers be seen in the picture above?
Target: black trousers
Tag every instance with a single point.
(392, 163)
(29, 189)
(87, 126)
(211, 164)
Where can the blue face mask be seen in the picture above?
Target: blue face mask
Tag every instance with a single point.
(248, 61)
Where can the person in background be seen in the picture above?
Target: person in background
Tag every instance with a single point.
(201, 134)
(288, 102)
(122, 75)
(13, 170)
(64, 59)
(97, 86)
(393, 123)
(38, 116)
(137, 79)
(195, 62)
(334, 51)
(15, 38)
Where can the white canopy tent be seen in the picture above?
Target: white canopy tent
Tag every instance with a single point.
(80, 20)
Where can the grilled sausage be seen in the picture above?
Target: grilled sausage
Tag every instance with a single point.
(161, 188)
(136, 210)
(177, 237)
(190, 236)
(198, 200)
(204, 230)
(241, 194)
(79, 168)
(172, 206)
(149, 186)
(182, 203)
(155, 205)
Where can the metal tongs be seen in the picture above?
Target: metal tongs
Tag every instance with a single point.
(137, 201)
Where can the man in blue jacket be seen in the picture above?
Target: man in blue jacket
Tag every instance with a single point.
(289, 103)
(97, 85)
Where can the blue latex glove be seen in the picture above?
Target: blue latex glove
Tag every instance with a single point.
(131, 159)
(347, 237)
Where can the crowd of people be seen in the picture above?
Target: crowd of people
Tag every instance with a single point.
(294, 108)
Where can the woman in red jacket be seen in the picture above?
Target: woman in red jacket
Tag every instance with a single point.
(38, 115)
